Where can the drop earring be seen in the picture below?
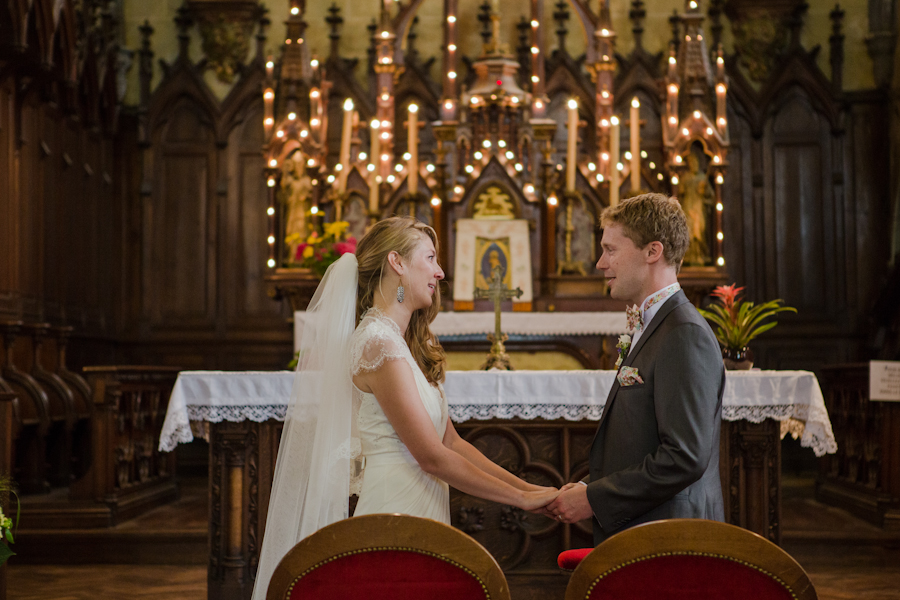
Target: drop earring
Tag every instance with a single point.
(400, 291)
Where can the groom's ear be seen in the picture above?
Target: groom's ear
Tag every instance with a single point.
(654, 251)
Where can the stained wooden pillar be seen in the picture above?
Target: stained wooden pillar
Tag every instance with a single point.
(241, 468)
(750, 468)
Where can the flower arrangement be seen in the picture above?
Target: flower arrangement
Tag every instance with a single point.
(739, 321)
(622, 347)
(6, 524)
(318, 252)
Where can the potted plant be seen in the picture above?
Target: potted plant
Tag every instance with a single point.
(6, 524)
(738, 322)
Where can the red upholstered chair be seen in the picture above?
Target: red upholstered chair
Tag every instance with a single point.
(387, 557)
(694, 559)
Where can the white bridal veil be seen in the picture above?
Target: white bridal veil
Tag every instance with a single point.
(320, 439)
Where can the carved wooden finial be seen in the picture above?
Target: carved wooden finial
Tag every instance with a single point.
(484, 16)
(561, 16)
(637, 14)
(715, 20)
(837, 48)
(334, 20)
(675, 24)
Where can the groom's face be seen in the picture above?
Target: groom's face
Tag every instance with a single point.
(623, 264)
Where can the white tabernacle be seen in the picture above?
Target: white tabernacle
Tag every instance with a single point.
(791, 397)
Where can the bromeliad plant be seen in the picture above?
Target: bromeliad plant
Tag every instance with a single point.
(6, 524)
(739, 321)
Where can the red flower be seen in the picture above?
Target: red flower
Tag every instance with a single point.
(298, 255)
(343, 248)
(728, 294)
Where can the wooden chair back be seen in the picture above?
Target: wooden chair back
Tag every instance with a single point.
(388, 556)
(689, 559)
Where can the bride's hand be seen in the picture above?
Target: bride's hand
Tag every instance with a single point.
(538, 498)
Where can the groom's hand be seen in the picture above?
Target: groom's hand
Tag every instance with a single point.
(544, 509)
(571, 505)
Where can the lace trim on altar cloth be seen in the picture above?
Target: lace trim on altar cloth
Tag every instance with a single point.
(217, 414)
(460, 413)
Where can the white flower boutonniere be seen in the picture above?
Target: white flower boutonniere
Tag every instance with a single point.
(623, 346)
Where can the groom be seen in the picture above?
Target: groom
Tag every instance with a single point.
(656, 451)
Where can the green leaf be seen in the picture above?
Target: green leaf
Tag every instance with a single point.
(9, 536)
(5, 553)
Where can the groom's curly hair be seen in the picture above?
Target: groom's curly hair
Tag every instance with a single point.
(652, 218)
(401, 235)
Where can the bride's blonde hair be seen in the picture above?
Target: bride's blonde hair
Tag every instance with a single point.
(401, 235)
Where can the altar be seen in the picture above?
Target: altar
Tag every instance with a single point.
(537, 424)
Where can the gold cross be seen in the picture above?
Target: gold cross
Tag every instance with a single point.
(497, 292)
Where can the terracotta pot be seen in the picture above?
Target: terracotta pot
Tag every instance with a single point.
(737, 360)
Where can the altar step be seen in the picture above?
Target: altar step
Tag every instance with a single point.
(174, 534)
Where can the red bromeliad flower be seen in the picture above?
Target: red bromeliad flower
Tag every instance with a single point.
(343, 248)
(728, 294)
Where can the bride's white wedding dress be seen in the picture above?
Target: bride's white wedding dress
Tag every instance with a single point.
(392, 481)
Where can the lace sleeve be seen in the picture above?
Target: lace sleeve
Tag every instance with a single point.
(374, 345)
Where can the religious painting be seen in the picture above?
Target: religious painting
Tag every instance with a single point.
(489, 254)
(483, 243)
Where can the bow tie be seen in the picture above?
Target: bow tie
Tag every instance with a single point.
(635, 317)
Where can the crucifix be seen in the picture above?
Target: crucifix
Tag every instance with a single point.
(496, 291)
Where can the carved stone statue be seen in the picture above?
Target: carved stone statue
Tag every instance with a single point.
(296, 187)
(696, 197)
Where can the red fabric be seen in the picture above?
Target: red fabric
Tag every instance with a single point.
(570, 559)
(387, 575)
(688, 577)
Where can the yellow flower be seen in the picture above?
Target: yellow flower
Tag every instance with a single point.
(294, 237)
(313, 239)
(308, 252)
(336, 229)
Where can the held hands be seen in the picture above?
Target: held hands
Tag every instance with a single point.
(570, 506)
(537, 497)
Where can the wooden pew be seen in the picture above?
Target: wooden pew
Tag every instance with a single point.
(32, 416)
(6, 461)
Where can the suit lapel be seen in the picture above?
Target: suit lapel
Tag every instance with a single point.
(676, 300)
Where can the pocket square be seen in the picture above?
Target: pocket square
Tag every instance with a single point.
(629, 376)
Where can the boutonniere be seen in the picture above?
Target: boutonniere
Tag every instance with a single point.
(623, 346)
(629, 376)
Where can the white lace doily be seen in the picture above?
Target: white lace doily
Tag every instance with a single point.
(791, 397)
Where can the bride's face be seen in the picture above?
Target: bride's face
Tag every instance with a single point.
(422, 276)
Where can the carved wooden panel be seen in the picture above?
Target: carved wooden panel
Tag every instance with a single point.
(180, 268)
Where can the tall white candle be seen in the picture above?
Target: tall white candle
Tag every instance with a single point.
(375, 157)
(614, 161)
(413, 143)
(345, 145)
(635, 144)
(573, 145)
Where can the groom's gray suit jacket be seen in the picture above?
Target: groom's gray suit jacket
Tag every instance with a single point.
(656, 451)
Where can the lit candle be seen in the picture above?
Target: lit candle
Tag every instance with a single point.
(635, 144)
(573, 145)
(375, 155)
(345, 145)
(614, 161)
(413, 143)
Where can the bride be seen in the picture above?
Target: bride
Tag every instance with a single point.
(368, 414)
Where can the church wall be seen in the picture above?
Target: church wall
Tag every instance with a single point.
(58, 200)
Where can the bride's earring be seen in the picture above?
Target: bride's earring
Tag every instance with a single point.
(400, 292)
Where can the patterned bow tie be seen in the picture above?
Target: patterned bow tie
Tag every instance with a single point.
(635, 318)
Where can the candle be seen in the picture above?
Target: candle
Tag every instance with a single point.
(413, 143)
(614, 161)
(346, 131)
(375, 156)
(573, 145)
(635, 145)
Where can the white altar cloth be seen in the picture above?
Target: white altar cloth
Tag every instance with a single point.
(514, 323)
(791, 397)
